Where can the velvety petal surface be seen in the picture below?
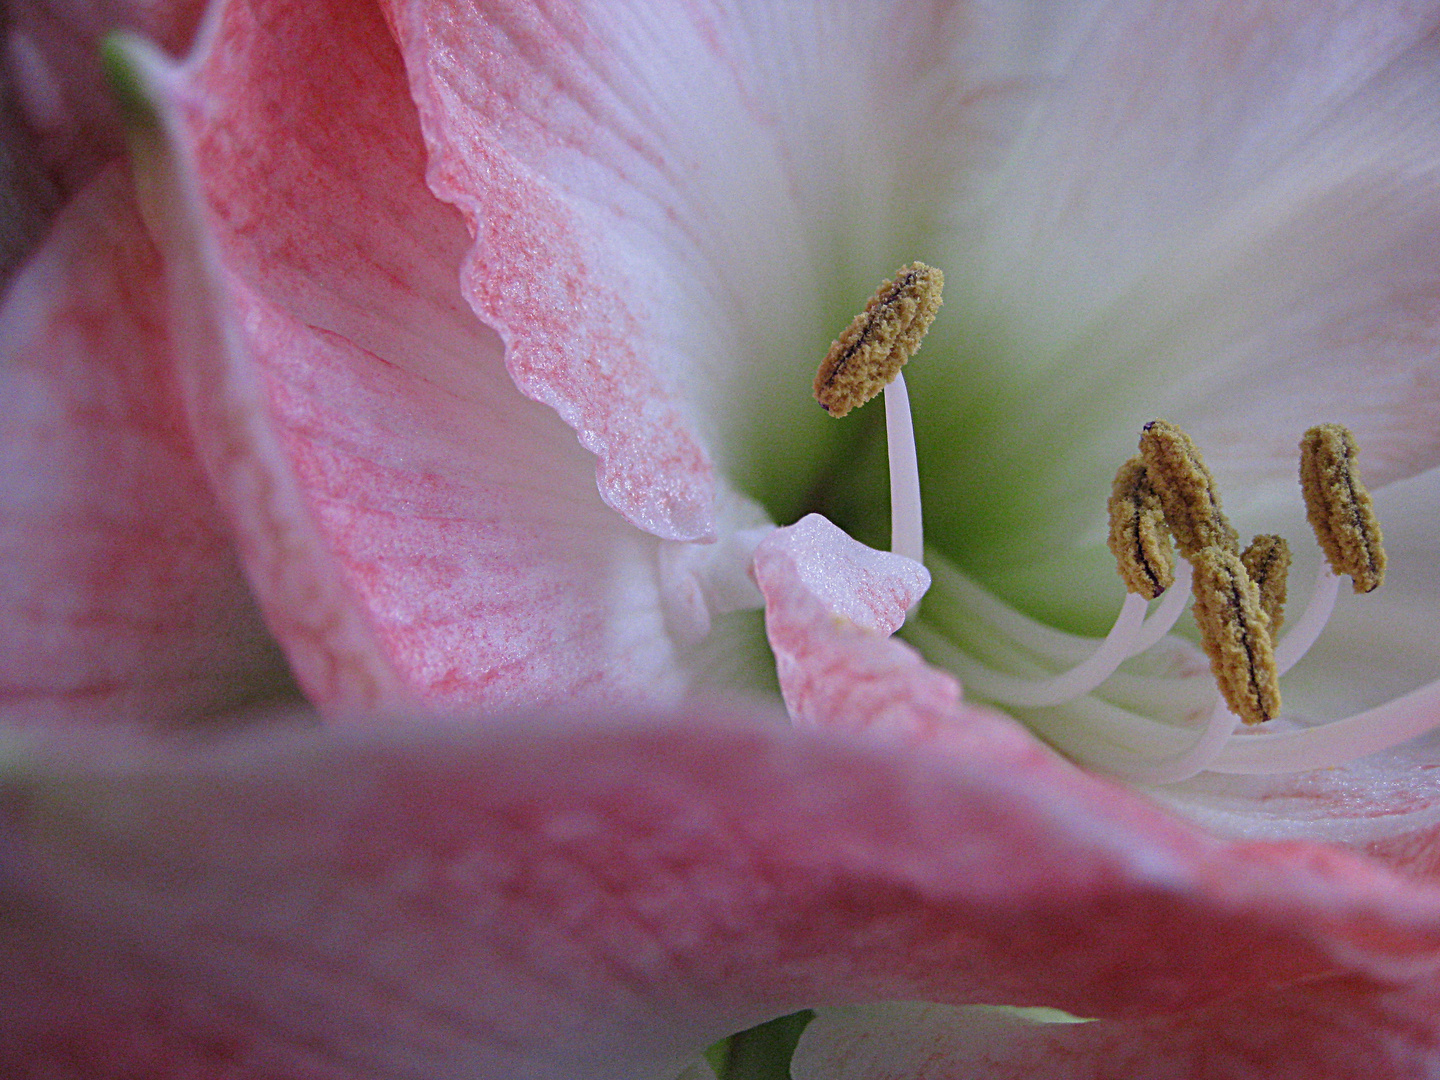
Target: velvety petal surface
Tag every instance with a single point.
(560, 898)
(418, 529)
(121, 596)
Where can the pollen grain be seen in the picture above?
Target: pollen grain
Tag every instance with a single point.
(877, 343)
(1186, 490)
(1139, 538)
(1236, 634)
(1339, 507)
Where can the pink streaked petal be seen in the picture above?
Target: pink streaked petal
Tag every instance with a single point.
(1338, 1028)
(576, 320)
(450, 527)
(560, 899)
(331, 647)
(121, 596)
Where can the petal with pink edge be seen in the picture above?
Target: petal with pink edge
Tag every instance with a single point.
(421, 529)
(831, 604)
(121, 596)
(597, 899)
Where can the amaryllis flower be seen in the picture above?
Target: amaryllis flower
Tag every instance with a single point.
(448, 365)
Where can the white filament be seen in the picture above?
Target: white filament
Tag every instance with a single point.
(1311, 624)
(907, 535)
(1336, 742)
(1081, 679)
(1200, 755)
(1164, 618)
(1131, 634)
(1140, 746)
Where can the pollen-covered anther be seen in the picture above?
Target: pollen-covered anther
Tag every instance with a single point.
(1339, 507)
(1235, 632)
(1267, 561)
(875, 346)
(1139, 538)
(1186, 490)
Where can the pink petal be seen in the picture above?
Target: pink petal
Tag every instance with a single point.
(830, 605)
(1338, 1028)
(547, 273)
(557, 899)
(120, 594)
(413, 526)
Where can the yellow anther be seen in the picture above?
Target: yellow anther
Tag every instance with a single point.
(1267, 561)
(1339, 507)
(1138, 536)
(1236, 634)
(1186, 490)
(875, 346)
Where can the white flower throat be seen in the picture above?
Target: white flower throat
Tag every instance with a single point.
(1146, 723)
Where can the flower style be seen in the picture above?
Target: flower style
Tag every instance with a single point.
(460, 354)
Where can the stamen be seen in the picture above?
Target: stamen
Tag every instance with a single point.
(1236, 635)
(1144, 725)
(1186, 490)
(875, 346)
(1338, 506)
(1138, 536)
(1267, 561)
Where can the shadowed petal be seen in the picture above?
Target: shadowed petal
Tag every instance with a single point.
(121, 596)
(561, 899)
(50, 51)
